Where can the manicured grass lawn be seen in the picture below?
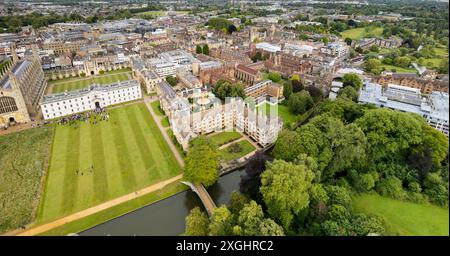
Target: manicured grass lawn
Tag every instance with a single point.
(153, 13)
(118, 71)
(399, 69)
(405, 218)
(246, 146)
(78, 83)
(156, 106)
(358, 33)
(24, 158)
(3, 63)
(116, 157)
(116, 211)
(225, 137)
(283, 112)
(165, 122)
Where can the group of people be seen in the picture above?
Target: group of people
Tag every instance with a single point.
(82, 172)
(94, 116)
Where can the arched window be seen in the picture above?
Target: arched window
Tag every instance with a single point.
(7, 104)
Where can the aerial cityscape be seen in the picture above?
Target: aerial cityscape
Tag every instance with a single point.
(224, 118)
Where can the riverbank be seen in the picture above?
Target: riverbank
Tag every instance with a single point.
(116, 211)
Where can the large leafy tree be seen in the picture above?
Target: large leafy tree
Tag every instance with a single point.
(389, 133)
(224, 89)
(352, 80)
(202, 162)
(335, 146)
(285, 189)
(196, 223)
(300, 102)
(221, 222)
(288, 145)
(348, 92)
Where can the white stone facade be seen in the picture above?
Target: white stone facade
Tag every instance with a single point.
(68, 103)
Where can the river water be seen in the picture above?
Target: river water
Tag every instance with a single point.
(166, 217)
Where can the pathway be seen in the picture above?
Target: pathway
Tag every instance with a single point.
(148, 100)
(51, 225)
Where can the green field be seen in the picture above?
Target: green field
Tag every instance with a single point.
(225, 137)
(78, 83)
(246, 146)
(359, 33)
(115, 157)
(156, 106)
(398, 69)
(116, 211)
(165, 122)
(405, 218)
(24, 158)
(283, 112)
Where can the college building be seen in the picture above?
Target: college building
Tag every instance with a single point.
(95, 96)
(22, 84)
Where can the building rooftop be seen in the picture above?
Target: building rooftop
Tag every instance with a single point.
(81, 92)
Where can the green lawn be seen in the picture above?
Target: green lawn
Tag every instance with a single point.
(359, 33)
(399, 69)
(225, 137)
(3, 63)
(78, 83)
(405, 218)
(24, 158)
(246, 146)
(156, 106)
(283, 112)
(116, 211)
(116, 157)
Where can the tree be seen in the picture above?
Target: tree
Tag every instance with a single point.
(288, 146)
(389, 133)
(224, 89)
(198, 49)
(285, 190)
(315, 92)
(348, 41)
(205, 49)
(297, 84)
(287, 90)
(196, 223)
(392, 187)
(349, 93)
(171, 80)
(402, 61)
(268, 227)
(332, 144)
(249, 219)
(300, 102)
(221, 222)
(231, 28)
(353, 80)
(251, 181)
(202, 162)
(274, 77)
(374, 48)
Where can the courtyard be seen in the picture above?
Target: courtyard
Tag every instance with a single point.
(71, 84)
